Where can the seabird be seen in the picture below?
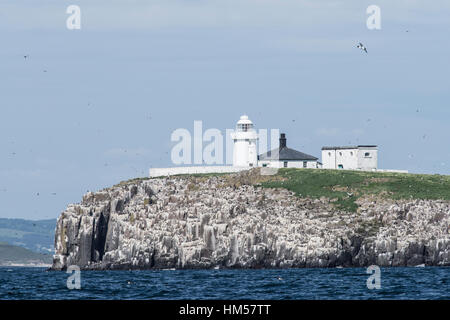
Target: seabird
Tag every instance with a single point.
(362, 47)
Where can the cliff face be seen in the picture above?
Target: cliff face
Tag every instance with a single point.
(230, 221)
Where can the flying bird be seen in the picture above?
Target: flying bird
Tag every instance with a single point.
(26, 56)
(362, 47)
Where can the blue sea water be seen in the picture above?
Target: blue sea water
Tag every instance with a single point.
(345, 283)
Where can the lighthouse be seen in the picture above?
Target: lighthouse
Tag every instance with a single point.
(244, 144)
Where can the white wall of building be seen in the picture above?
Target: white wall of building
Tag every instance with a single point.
(340, 159)
(367, 158)
(312, 164)
(329, 159)
(359, 158)
(159, 172)
(244, 150)
(245, 153)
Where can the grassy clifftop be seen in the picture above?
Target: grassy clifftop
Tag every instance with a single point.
(345, 186)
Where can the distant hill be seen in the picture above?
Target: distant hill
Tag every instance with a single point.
(36, 235)
(15, 255)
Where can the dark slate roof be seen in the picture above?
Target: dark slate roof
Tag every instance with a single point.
(285, 153)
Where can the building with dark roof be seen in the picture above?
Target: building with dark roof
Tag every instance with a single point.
(284, 157)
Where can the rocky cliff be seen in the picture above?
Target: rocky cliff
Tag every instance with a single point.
(230, 221)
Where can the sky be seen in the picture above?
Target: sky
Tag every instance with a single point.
(89, 108)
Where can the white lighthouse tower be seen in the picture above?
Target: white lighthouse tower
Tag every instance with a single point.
(244, 139)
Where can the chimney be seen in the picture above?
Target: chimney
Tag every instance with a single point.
(282, 140)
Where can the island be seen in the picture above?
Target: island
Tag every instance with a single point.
(295, 218)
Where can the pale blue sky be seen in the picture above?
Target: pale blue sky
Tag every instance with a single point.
(137, 70)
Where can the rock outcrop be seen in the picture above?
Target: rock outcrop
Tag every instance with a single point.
(230, 221)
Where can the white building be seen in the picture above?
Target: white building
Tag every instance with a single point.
(245, 156)
(244, 147)
(362, 157)
(284, 157)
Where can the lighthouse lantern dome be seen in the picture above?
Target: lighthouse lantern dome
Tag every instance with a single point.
(244, 124)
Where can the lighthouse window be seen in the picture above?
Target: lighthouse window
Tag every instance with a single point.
(305, 164)
(367, 154)
(285, 164)
(244, 127)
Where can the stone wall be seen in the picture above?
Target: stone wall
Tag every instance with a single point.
(162, 172)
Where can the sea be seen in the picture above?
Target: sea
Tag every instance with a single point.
(223, 284)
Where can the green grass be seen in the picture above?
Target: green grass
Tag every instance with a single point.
(336, 184)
